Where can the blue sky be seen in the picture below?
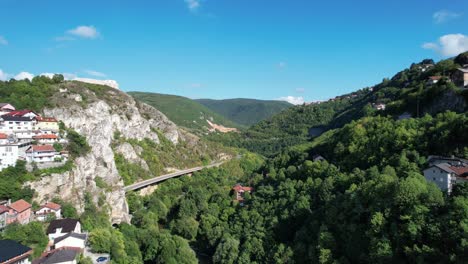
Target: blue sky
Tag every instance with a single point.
(226, 48)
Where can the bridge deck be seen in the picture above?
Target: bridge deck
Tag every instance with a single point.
(157, 179)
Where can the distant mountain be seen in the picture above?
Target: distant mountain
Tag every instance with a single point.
(184, 111)
(245, 111)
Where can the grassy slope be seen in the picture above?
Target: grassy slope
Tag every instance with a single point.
(182, 111)
(245, 111)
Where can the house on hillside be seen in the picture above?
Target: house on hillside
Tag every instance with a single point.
(460, 77)
(379, 106)
(41, 153)
(49, 209)
(9, 151)
(446, 175)
(20, 126)
(6, 108)
(318, 157)
(61, 227)
(59, 256)
(433, 80)
(19, 211)
(239, 192)
(70, 240)
(46, 139)
(23, 113)
(47, 123)
(12, 252)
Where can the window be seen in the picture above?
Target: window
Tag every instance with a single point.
(434, 178)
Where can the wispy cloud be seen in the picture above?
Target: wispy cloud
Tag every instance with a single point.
(292, 99)
(449, 45)
(83, 32)
(193, 5)
(442, 16)
(89, 32)
(3, 41)
(95, 73)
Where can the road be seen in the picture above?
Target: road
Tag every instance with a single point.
(154, 180)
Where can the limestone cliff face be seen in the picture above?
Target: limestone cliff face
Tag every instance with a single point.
(98, 120)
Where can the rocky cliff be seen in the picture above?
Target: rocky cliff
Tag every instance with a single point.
(98, 113)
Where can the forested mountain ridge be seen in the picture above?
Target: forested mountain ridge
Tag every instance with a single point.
(409, 92)
(246, 112)
(184, 111)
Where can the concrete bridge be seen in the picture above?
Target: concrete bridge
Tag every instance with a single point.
(145, 183)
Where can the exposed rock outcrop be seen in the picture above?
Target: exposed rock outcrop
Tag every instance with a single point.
(99, 118)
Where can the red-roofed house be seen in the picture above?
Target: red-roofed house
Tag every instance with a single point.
(20, 211)
(240, 191)
(46, 138)
(41, 153)
(23, 113)
(47, 209)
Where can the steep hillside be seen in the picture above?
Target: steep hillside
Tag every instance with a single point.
(123, 134)
(245, 111)
(411, 93)
(184, 111)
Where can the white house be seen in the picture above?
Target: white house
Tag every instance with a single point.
(379, 106)
(71, 240)
(20, 126)
(41, 153)
(8, 152)
(433, 80)
(47, 209)
(61, 227)
(445, 175)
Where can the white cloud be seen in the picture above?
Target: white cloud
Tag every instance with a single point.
(89, 32)
(193, 5)
(47, 74)
(449, 45)
(95, 73)
(442, 16)
(69, 76)
(3, 41)
(3, 75)
(292, 100)
(23, 75)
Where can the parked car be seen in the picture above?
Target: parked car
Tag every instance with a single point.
(101, 259)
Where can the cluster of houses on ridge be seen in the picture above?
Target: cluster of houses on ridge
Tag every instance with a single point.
(28, 136)
(21, 212)
(66, 242)
(459, 78)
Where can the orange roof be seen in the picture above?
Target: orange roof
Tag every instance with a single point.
(45, 136)
(20, 206)
(239, 188)
(3, 136)
(460, 171)
(42, 148)
(52, 205)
